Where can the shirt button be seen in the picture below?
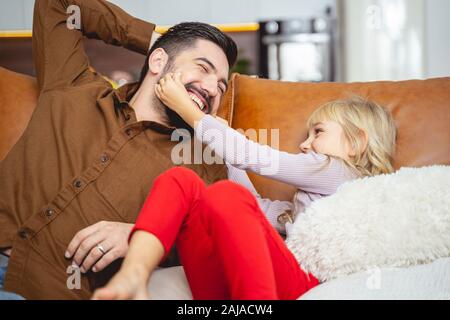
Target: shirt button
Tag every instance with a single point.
(104, 158)
(129, 132)
(77, 184)
(49, 212)
(23, 234)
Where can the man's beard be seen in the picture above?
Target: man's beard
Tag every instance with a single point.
(174, 119)
(177, 121)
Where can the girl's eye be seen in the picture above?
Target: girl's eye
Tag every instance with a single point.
(317, 131)
(203, 68)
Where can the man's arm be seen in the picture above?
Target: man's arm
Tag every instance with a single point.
(58, 52)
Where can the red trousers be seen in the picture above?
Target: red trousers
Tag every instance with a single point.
(226, 245)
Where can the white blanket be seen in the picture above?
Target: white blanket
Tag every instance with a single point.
(395, 220)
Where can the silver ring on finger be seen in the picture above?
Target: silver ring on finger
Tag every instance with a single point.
(101, 249)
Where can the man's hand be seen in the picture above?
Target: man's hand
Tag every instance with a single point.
(99, 245)
(7, 252)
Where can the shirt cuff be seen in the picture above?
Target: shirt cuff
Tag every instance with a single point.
(139, 35)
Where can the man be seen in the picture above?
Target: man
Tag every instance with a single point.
(74, 183)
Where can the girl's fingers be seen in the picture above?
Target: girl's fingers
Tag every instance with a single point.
(166, 79)
(177, 77)
(158, 90)
(169, 76)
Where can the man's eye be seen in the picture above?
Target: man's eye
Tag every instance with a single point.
(203, 68)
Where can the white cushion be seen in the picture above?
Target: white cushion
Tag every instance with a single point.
(169, 284)
(430, 281)
(423, 282)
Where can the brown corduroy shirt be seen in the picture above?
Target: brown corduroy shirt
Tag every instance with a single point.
(83, 158)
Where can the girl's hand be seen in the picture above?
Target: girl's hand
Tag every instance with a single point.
(171, 91)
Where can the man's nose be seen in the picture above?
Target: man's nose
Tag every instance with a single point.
(210, 85)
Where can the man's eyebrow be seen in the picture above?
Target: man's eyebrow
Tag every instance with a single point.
(212, 66)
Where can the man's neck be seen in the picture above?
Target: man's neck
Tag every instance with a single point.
(143, 104)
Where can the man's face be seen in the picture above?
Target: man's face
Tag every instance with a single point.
(204, 70)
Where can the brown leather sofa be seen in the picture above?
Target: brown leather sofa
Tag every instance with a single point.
(421, 109)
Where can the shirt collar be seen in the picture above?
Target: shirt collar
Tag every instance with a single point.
(122, 97)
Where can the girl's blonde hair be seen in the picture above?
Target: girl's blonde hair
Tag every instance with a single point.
(356, 114)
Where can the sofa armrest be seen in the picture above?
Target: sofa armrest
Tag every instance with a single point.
(18, 98)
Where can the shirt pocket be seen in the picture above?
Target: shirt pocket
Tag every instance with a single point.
(128, 179)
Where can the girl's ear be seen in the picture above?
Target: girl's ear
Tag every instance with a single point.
(364, 141)
(157, 61)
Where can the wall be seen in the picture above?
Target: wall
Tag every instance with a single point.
(419, 49)
(17, 14)
(384, 39)
(438, 38)
(432, 19)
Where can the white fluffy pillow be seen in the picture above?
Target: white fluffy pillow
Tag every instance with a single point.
(395, 220)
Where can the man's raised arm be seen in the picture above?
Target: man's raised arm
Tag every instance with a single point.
(58, 28)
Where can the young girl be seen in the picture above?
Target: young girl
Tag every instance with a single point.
(224, 233)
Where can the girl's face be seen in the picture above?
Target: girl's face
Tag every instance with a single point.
(327, 137)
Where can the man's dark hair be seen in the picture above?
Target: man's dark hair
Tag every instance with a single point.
(184, 35)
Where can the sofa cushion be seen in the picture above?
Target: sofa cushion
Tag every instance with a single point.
(420, 109)
(424, 282)
(169, 284)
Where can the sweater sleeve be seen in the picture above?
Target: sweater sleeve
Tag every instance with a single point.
(271, 208)
(310, 172)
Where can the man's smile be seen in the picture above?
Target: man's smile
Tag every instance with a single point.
(201, 101)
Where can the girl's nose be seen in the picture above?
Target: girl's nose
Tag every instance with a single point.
(305, 146)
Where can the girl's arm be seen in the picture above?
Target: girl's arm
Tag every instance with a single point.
(310, 172)
(271, 208)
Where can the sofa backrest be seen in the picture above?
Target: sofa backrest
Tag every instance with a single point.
(421, 109)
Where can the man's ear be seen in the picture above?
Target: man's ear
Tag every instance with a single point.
(157, 61)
